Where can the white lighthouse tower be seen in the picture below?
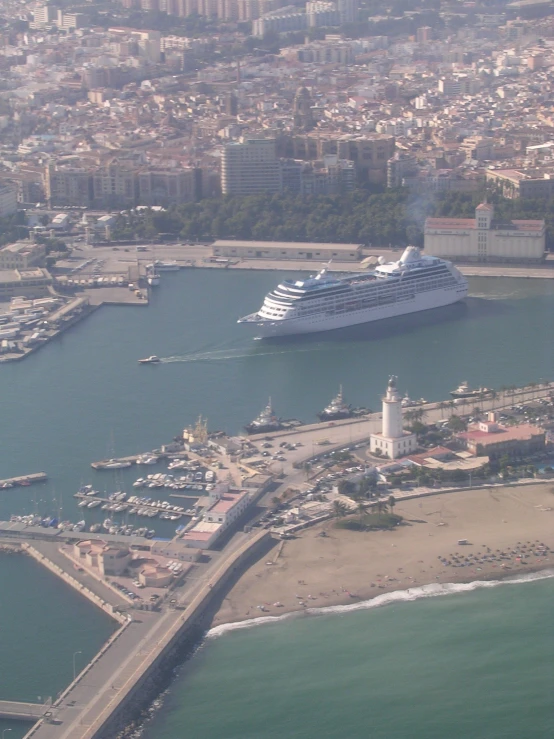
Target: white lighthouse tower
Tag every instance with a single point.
(393, 441)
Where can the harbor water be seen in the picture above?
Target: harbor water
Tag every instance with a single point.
(85, 397)
(44, 626)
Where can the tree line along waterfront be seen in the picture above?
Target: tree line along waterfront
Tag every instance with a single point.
(392, 217)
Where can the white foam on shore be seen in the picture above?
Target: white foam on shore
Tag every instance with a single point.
(432, 590)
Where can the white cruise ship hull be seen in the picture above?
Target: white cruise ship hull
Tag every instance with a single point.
(266, 328)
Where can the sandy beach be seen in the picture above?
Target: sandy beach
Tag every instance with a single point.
(325, 566)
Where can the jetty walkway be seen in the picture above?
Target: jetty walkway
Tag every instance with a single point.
(23, 480)
(16, 710)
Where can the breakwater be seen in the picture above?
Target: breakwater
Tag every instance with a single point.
(136, 664)
(179, 641)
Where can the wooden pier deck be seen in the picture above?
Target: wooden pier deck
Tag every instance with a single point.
(23, 480)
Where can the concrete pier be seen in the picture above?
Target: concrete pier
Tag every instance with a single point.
(23, 480)
(18, 711)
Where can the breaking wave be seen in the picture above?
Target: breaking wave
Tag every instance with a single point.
(432, 590)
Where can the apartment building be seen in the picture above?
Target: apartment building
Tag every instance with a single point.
(289, 18)
(323, 177)
(68, 185)
(167, 187)
(114, 185)
(535, 183)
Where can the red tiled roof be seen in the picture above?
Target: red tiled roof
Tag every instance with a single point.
(523, 432)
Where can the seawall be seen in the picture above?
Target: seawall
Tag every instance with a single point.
(79, 587)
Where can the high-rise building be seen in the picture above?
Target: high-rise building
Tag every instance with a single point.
(249, 167)
(227, 10)
(423, 34)
(288, 18)
(348, 11)
(43, 16)
(231, 104)
(322, 14)
(207, 8)
(8, 199)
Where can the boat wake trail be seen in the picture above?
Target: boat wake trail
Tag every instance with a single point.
(397, 596)
(221, 355)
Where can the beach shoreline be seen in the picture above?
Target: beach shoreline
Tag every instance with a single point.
(510, 533)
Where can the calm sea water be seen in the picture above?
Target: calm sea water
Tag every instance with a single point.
(84, 397)
(476, 665)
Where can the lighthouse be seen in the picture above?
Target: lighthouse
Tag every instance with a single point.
(393, 441)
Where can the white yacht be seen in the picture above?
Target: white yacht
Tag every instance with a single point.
(115, 464)
(323, 302)
(169, 266)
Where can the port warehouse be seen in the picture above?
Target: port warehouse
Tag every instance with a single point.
(286, 250)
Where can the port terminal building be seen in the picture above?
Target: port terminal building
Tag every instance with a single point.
(485, 239)
(286, 250)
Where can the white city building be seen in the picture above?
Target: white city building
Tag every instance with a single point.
(250, 167)
(484, 239)
(393, 441)
(8, 200)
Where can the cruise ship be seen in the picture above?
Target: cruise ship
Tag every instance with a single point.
(324, 302)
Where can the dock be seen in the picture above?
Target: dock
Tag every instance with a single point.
(23, 480)
(131, 459)
(17, 711)
(152, 505)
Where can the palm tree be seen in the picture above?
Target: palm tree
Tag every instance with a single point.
(409, 416)
(493, 396)
(392, 502)
(442, 406)
(361, 507)
(339, 508)
(451, 406)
